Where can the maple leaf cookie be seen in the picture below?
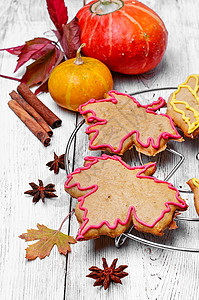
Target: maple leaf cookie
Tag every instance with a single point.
(183, 106)
(119, 122)
(194, 185)
(112, 196)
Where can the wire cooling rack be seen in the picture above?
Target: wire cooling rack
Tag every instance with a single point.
(119, 241)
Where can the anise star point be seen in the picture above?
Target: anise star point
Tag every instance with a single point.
(40, 191)
(108, 274)
(57, 163)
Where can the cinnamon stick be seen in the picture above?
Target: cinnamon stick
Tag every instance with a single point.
(30, 122)
(42, 109)
(15, 96)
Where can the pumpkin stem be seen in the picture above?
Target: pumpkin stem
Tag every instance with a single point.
(104, 1)
(104, 7)
(78, 59)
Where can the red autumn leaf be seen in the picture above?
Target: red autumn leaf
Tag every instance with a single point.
(46, 55)
(70, 39)
(39, 70)
(58, 13)
(57, 34)
(33, 49)
(44, 51)
(13, 50)
(47, 239)
(49, 46)
(44, 85)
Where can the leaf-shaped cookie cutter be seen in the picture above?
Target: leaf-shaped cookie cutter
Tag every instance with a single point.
(119, 241)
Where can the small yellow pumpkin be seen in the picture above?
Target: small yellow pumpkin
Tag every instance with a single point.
(77, 80)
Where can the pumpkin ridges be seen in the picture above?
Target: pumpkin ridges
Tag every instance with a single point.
(102, 80)
(83, 15)
(98, 72)
(94, 80)
(151, 12)
(85, 24)
(110, 34)
(69, 87)
(140, 27)
(93, 32)
(84, 29)
(132, 19)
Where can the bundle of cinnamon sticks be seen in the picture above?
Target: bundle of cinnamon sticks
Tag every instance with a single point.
(35, 115)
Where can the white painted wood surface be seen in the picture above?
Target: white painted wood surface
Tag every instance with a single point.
(153, 274)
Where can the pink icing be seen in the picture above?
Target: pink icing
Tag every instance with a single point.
(150, 108)
(93, 188)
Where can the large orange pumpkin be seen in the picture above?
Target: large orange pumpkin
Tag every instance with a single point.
(127, 36)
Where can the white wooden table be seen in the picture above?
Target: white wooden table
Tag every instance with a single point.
(153, 273)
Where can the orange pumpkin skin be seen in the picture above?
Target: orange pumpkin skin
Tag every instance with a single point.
(130, 40)
(71, 85)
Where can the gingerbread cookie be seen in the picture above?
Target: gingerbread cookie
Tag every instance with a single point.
(194, 185)
(112, 196)
(119, 122)
(183, 106)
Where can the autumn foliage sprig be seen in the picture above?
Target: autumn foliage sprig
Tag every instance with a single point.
(46, 53)
(47, 238)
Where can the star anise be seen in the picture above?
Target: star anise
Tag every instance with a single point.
(57, 163)
(104, 277)
(40, 191)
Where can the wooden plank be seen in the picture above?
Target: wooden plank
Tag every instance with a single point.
(153, 273)
(23, 160)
